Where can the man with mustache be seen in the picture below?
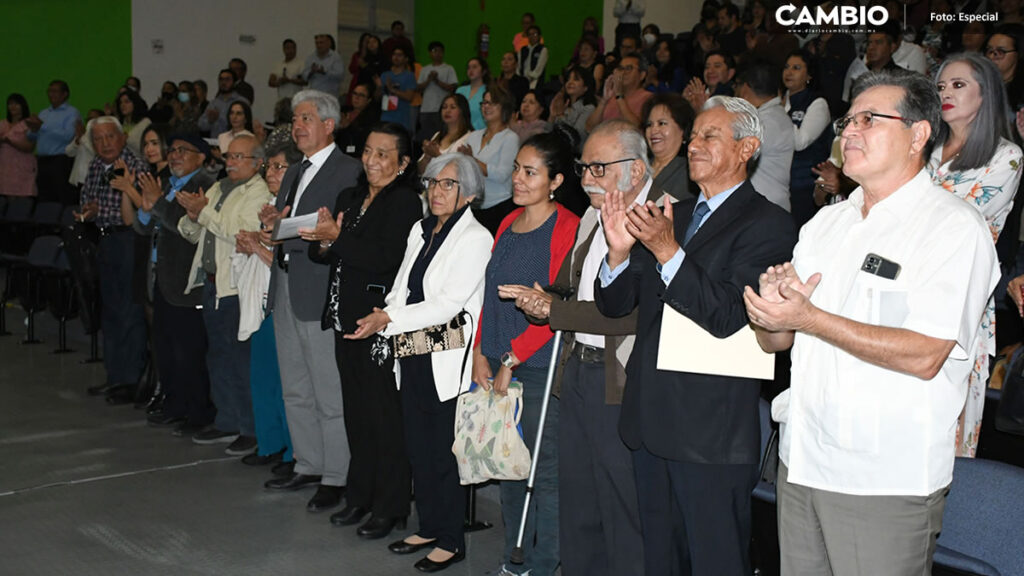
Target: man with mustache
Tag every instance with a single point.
(695, 437)
(211, 222)
(882, 305)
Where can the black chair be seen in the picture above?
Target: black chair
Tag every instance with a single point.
(15, 239)
(42, 257)
(46, 218)
(80, 242)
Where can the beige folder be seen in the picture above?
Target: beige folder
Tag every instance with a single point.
(686, 347)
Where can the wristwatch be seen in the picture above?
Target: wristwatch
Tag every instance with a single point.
(508, 361)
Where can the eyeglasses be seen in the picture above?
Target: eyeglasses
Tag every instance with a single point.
(863, 120)
(181, 150)
(445, 184)
(238, 156)
(596, 168)
(277, 166)
(486, 103)
(997, 53)
(360, 94)
(627, 68)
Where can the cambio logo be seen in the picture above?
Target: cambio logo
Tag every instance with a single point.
(837, 16)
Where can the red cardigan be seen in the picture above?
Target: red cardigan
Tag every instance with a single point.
(562, 239)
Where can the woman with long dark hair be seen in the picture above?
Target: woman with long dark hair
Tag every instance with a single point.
(455, 125)
(17, 163)
(478, 75)
(812, 128)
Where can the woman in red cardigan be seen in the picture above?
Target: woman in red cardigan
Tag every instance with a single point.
(529, 248)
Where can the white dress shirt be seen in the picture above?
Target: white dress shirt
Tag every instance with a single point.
(317, 160)
(853, 427)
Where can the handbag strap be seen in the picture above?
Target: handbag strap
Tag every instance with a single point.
(469, 345)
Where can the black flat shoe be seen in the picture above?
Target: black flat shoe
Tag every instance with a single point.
(293, 482)
(379, 527)
(427, 565)
(120, 395)
(349, 515)
(403, 547)
(255, 459)
(326, 497)
(283, 469)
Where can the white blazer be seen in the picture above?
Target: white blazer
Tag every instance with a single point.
(454, 281)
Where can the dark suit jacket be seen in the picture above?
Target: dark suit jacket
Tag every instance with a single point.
(174, 253)
(307, 280)
(683, 416)
(371, 254)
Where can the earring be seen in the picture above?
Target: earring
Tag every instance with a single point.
(551, 196)
(402, 171)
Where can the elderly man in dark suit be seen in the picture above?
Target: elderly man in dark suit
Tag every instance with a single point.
(695, 437)
(309, 376)
(179, 333)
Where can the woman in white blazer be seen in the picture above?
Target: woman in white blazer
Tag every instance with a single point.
(441, 277)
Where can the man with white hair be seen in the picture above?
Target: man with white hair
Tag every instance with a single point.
(694, 437)
(211, 222)
(298, 289)
(122, 320)
(599, 523)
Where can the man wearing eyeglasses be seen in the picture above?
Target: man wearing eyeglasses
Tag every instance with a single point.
(694, 437)
(179, 334)
(881, 305)
(212, 219)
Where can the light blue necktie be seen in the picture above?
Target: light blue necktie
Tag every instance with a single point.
(699, 213)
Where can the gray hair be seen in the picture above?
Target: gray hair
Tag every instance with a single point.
(745, 123)
(471, 179)
(258, 153)
(327, 107)
(633, 144)
(107, 120)
(920, 100)
(993, 119)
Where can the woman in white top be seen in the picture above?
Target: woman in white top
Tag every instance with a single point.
(456, 124)
(131, 111)
(812, 128)
(239, 123)
(494, 148)
(978, 163)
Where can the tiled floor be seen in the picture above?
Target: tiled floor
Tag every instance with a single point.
(90, 489)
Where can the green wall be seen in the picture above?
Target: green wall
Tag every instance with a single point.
(455, 22)
(87, 43)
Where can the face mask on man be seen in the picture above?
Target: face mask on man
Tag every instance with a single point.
(183, 97)
(649, 39)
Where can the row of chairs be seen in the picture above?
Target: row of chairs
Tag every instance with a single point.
(982, 525)
(37, 272)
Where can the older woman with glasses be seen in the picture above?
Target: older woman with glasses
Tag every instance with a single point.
(273, 442)
(978, 163)
(494, 149)
(441, 278)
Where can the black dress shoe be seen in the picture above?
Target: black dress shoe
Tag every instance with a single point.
(122, 394)
(403, 547)
(326, 497)
(283, 469)
(293, 482)
(349, 515)
(379, 527)
(156, 404)
(100, 390)
(427, 565)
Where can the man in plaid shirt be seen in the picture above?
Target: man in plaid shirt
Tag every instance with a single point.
(123, 324)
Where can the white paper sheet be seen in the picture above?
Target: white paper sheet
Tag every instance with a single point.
(289, 227)
(683, 346)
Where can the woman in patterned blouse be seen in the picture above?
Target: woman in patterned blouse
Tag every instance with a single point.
(978, 163)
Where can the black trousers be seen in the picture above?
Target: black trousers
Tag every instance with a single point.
(706, 506)
(599, 520)
(378, 475)
(180, 337)
(52, 179)
(429, 435)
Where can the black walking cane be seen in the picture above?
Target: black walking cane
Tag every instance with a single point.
(517, 555)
